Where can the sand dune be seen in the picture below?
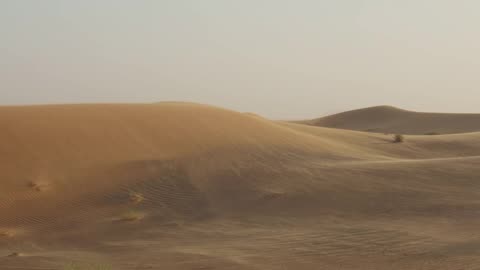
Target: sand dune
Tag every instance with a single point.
(386, 119)
(188, 186)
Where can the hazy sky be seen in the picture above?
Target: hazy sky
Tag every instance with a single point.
(279, 58)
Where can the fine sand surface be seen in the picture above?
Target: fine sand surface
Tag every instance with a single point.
(387, 119)
(187, 186)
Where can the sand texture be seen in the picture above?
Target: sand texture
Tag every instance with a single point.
(187, 186)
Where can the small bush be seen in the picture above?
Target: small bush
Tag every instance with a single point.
(15, 254)
(398, 138)
(135, 197)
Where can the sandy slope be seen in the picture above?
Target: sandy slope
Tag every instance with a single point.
(386, 119)
(187, 186)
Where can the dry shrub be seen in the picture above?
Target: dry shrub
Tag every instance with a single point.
(398, 138)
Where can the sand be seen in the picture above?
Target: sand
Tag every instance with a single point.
(189, 186)
(387, 119)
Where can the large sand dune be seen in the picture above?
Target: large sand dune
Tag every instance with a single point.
(386, 119)
(187, 186)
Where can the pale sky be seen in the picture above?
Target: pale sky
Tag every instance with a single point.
(283, 59)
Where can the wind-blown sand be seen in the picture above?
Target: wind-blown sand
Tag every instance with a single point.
(187, 186)
(387, 119)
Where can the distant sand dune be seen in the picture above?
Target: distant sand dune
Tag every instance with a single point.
(386, 119)
(187, 186)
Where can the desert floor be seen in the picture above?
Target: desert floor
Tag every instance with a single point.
(188, 186)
